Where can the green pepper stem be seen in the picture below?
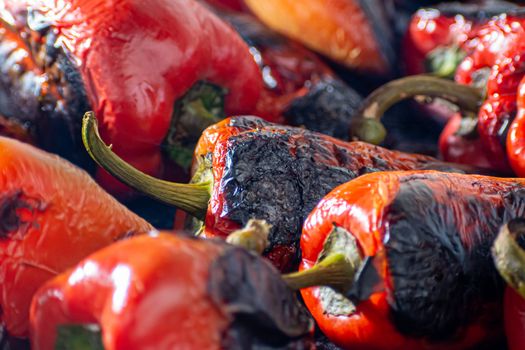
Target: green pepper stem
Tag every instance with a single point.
(253, 236)
(334, 271)
(509, 257)
(192, 198)
(367, 126)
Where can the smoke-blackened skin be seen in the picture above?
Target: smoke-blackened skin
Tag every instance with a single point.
(443, 278)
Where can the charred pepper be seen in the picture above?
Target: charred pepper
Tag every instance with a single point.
(167, 292)
(156, 72)
(52, 215)
(415, 250)
(246, 168)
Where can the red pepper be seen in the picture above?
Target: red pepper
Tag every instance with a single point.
(245, 168)
(167, 292)
(516, 136)
(52, 216)
(416, 249)
(431, 34)
(140, 65)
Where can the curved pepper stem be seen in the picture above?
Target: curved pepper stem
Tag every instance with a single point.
(367, 125)
(509, 256)
(192, 198)
(334, 271)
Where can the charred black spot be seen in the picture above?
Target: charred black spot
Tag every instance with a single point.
(265, 312)
(8, 342)
(481, 10)
(10, 206)
(280, 178)
(441, 282)
(51, 104)
(248, 123)
(253, 32)
(328, 108)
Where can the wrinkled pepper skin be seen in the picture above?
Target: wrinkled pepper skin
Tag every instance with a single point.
(167, 292)
(354, 33)
(279, 173)
(299, 88)
(428, 234)
(52, 216)
(128, 60)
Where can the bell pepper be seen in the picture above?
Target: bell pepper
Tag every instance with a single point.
(247, 168)
(509, 259)
(354, 33)
(157, 73)
(166, 292)
(52, 216)
(299, 88)
(408, 254)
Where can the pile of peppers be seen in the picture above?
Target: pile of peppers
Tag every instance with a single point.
(298, 225)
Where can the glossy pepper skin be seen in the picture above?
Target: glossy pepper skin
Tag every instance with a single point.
(428, 236)
(354, 33)
(167, 292)
(516, 137)
(514, 310)
(278, 173)
(52, 216)
(437, 29)
(299, 88)
(129, 60)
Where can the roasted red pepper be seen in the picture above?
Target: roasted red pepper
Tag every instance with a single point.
(166, 292)
(355, 33)
(299, 88)
(156, 72)
(247, 168)
(416, 248)
(52, 216)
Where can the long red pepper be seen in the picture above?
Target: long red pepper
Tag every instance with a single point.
(52, 215)
(416, 252)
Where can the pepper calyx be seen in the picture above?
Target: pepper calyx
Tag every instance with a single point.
(79, 337)
(200, 107)
(443, 61)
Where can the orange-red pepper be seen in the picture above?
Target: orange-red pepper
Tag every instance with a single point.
(52, 215)
(167, 292)
(420, 243)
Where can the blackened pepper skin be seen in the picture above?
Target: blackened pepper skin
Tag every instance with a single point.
(428, 235)
(278, 173)
(40, 87)
(246, 168)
